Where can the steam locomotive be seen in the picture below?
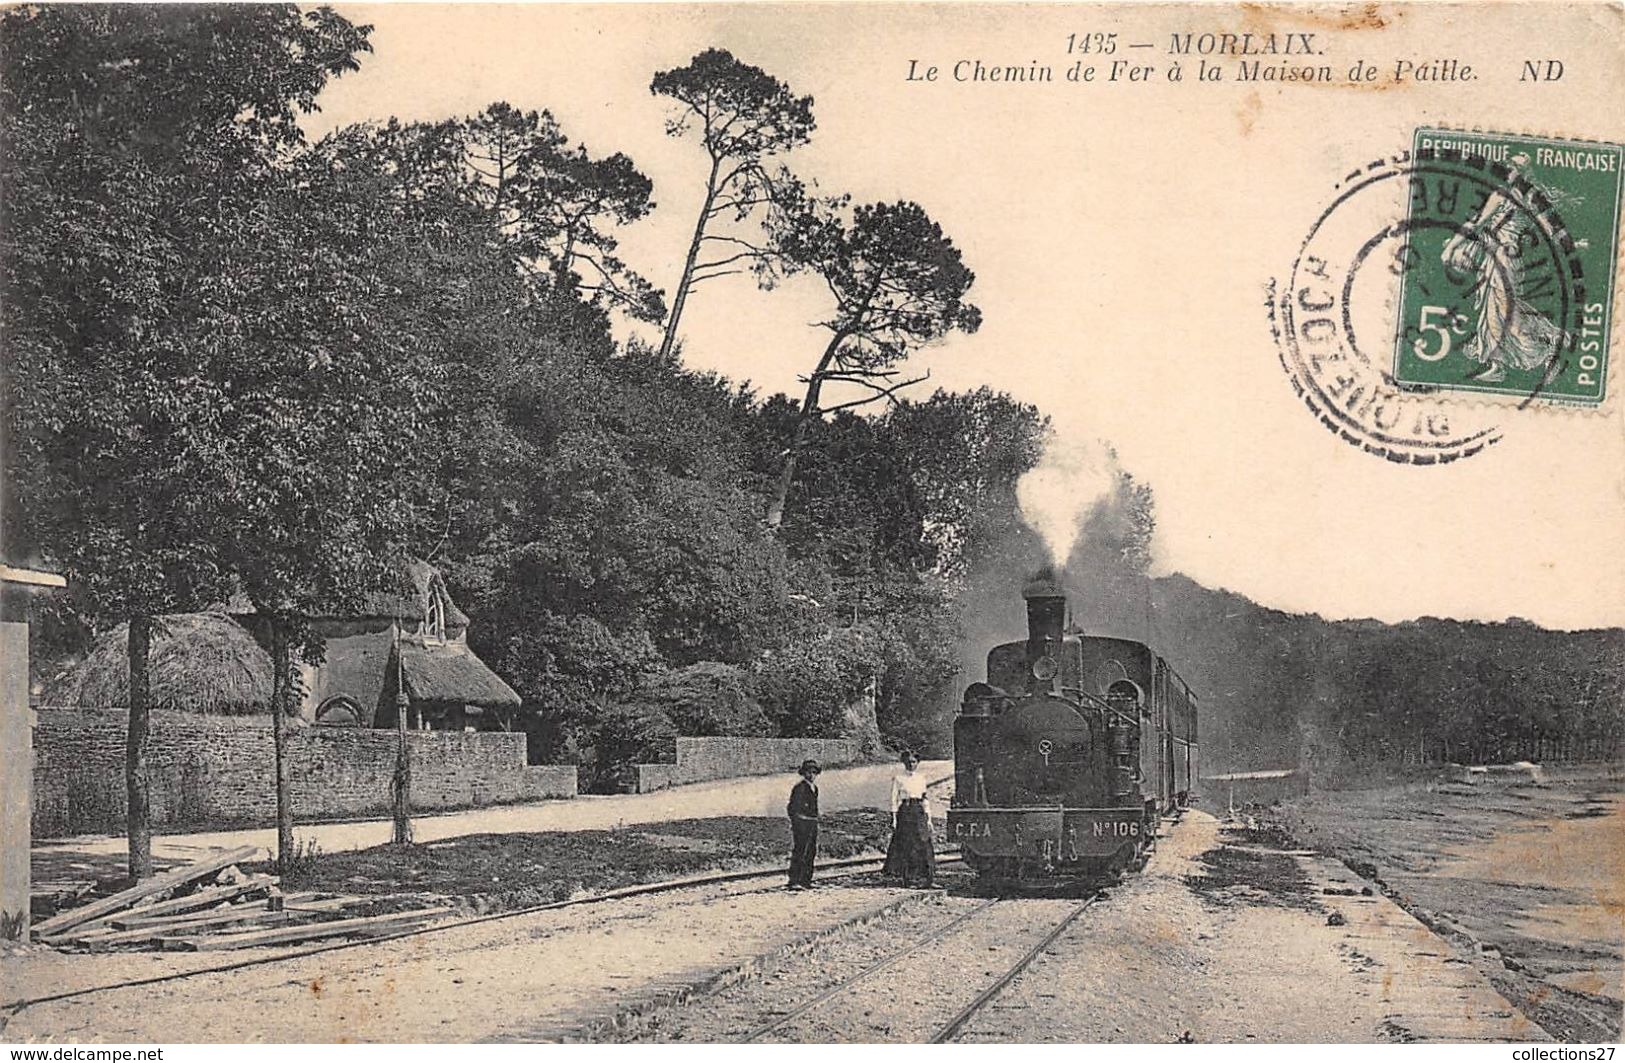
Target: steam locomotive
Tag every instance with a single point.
(1069, 754)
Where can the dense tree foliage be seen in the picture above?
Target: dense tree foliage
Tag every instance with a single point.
(138, 143)
(1283, 690)
(1340, 698)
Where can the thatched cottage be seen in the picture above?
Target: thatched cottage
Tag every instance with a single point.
(413, 637)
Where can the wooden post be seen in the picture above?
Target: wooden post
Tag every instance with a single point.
(403, 752)
(138, 811)
(281, 702)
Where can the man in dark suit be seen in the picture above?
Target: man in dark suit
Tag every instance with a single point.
(803, 809)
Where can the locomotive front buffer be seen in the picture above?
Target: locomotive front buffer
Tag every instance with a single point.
(1046, 840)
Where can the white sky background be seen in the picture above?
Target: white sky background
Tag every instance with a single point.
(1122, 237)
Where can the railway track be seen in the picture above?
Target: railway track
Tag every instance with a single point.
(932, 1013)
(951, 1029)
(843, 868)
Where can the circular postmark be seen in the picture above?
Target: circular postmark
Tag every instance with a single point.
(1420, 258)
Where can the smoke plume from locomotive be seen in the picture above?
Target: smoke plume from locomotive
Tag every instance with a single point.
(1057, 495)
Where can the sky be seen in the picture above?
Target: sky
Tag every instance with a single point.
(1123, 236)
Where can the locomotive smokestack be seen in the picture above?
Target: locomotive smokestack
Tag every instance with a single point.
(1046, 611)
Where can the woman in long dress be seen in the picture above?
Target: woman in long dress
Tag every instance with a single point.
(911, 855)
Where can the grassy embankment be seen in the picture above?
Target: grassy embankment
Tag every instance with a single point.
(499, 872)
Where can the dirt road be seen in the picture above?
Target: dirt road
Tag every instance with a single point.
(864, 786)
(1223, 938)
(528, 978)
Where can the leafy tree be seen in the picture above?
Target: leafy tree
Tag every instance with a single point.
(898, 283)
(573, 201)
(713, 583)
(555, 205)
(611, 519)
(130, 137)
(411, 163)
(570, 670)
(628, 734)
(196, 89)
(336, 334)
(503, 146)
(965, 453)
(857, 507)
(745, 118)
(916, 692)
(559, 204)
(869, 492)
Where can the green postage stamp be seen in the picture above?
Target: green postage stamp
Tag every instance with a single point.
(1507, 269)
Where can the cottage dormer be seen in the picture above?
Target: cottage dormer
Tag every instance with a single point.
(434, 619)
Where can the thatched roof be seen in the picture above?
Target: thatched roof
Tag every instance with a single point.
(199, 662)
(452, 673)
(408, 599)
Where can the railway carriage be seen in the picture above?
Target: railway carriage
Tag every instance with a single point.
(1071, 751)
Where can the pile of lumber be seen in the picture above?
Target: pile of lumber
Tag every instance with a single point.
(49, 897)
(212, 904)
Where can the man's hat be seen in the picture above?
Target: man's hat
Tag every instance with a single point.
(810, 765)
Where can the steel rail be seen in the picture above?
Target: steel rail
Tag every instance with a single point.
(11, 1008)
(934, 936)
(957, 1023)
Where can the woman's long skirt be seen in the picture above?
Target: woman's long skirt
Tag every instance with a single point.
(911, 855)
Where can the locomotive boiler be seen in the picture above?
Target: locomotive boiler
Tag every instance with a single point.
(1069, 754)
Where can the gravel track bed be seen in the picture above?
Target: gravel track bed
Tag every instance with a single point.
(907, 1001)
(529, 977)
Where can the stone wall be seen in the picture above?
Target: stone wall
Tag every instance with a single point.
(218, 771)
(700, 759)
(648, 778)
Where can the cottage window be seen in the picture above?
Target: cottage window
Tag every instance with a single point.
(434, 621)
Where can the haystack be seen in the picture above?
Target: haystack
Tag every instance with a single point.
(200, 662)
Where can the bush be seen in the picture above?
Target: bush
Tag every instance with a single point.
(565, 669)
(625, 735)
(918, 695)
(708, 698)
(807, 686)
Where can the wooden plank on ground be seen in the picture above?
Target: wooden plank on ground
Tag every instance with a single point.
(331, 904)
(309, 932)
(155, 934)
(47, 898)
(122, 922)
(80, 935)
(204, 898)
(157, 884)
(230, 913)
